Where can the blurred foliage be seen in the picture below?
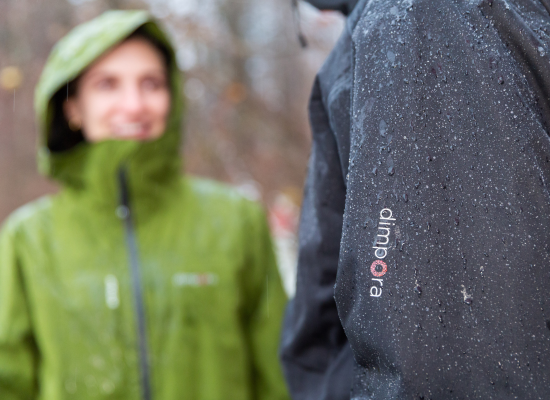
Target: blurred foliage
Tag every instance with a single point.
(10, 78)
(247, 87)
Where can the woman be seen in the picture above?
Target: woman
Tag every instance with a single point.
(131, 282)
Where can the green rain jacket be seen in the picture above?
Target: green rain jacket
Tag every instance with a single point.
(133, 285)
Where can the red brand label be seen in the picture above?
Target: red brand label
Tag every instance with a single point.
(378, 268)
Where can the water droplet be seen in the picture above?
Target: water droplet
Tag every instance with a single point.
(374, 170)
(70, 386)
(122, 212)
(391, 56)
(418, 290)
(468, 298)
(541, 51)
(383, 127)
(107, 387)
(500, 80)
(457, 221)
(389, 163)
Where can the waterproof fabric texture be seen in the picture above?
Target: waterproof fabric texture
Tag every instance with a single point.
(212, 296)
(427, 205)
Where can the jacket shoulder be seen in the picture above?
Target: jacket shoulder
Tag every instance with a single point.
(211, 192)
(29, 216)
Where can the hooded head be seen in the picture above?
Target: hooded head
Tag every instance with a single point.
(91, 168)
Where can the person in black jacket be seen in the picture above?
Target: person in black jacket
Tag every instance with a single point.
(427, 207)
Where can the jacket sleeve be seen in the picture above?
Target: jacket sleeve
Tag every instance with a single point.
(17, 349)
(317, 359)
(265, 301)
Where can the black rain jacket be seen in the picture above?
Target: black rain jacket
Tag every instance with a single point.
(427, 207)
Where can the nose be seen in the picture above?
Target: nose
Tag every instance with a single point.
(132, 101)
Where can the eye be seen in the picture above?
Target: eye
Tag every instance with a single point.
(153, 83)
(106, 84)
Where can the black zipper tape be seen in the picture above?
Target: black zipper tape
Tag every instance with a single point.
(124, 212)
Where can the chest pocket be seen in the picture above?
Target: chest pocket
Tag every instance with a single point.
(195, 279)
(197, 296)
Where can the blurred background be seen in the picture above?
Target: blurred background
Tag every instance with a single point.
(247, 87)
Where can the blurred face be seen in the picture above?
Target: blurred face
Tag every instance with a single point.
(124, 95)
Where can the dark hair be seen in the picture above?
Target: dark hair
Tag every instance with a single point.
(61, 137)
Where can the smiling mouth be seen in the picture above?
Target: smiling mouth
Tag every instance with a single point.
(136, 130)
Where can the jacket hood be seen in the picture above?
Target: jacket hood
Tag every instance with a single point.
(92, 168)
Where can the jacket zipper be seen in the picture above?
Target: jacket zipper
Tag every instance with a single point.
(124, 213)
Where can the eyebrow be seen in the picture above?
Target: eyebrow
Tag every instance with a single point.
(94, 74)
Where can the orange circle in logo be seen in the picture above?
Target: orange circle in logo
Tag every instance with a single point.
(378, 273)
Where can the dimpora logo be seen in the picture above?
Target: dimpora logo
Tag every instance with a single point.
(379, 268)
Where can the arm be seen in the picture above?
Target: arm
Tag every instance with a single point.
(17, 349)
(265, 302)
(316, 356)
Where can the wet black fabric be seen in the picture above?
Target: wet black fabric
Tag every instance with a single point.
(427, 208)
(344, 6)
